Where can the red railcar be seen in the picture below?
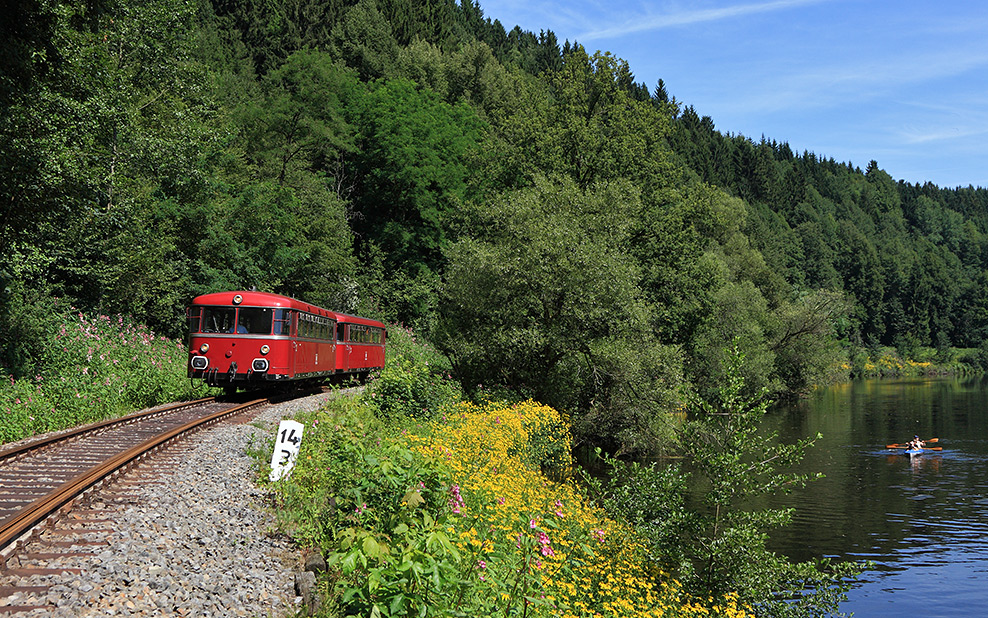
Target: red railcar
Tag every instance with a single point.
(254, 339)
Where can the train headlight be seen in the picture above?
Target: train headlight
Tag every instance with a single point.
(200, 362)
(204, 348)
(238, 299)
(260, 365)
(265, 349)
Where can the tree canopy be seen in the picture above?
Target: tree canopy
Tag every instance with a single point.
(557, 226)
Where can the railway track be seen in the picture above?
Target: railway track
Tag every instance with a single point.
(43, 478)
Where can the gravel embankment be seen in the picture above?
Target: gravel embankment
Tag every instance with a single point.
(198, 542)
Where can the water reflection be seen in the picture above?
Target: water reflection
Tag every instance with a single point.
(918, 518)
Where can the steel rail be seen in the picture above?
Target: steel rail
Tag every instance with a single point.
(43, 507)
(20, 449)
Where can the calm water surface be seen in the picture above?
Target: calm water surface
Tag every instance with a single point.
(924, 523)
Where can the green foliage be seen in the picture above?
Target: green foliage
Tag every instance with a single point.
(90, 369)
(739, 313)
(737, 463)
(715, 541)
(679, 274)
(26, 316)
(454, 519)
(152, 152)
(416, 155)
(546, 301)
(415, 382)
(653, 497)
(335, 440)
(804, 339)
(378, 509)
(365, 40)
(299, 125)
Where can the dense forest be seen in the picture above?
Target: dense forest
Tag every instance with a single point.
(551, 224)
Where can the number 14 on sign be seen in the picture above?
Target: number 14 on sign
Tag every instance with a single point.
(286, 448)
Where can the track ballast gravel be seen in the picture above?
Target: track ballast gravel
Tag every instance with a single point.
(195, 539)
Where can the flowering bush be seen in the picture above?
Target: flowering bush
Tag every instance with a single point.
(94, 368)
(538, 547)
(456, 518)
(887, 362)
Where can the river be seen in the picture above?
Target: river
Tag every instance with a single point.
(923, 522)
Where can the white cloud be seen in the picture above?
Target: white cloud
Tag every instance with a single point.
(685, 18)
(850, 81)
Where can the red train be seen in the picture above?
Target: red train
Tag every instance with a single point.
(251, 340)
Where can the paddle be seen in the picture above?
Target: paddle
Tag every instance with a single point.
(930, 441)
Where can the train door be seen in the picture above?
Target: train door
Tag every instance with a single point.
(342, 348)
(289, 327)
(330, 346)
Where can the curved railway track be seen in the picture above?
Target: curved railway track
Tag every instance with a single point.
(39, 478)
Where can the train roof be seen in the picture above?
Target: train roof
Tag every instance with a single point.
(355, 319)
(267, 299)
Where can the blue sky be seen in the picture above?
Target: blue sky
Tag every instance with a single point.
(902, 82)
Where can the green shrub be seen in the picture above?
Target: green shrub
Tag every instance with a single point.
(375, 507)
(90, 369)
(415, 382)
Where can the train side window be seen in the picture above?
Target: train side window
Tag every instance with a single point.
(340, 328)
(255, 320)
(218, 319)
(365, 334)
(282, 321)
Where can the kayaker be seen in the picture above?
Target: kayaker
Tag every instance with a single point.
(916, 443)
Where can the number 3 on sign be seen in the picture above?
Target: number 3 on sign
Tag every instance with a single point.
(285, 449)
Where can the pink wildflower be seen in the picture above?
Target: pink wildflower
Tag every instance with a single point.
(545, 546)
(455, 499)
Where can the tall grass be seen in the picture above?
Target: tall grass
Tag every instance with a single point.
(94, 367)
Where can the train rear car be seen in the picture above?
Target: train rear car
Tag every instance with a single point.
(360, 344)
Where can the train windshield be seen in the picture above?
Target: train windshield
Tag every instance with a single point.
(255, 321)
(194, 315)
(218, 319)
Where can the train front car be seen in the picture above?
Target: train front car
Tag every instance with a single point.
(248, 340)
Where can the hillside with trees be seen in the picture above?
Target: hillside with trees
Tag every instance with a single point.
(551, 224)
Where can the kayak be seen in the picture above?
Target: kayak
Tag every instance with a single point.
(914, 451)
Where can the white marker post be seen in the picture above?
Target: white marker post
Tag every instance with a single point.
(286, 446)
